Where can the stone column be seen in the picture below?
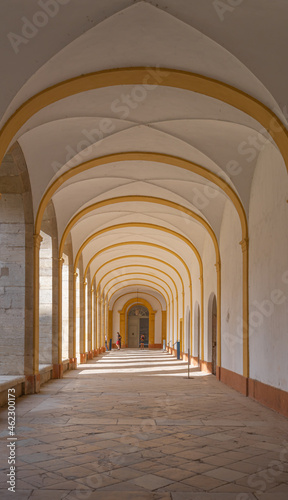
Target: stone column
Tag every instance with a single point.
(202, 316)
(73, 361)
(152, 328)
(58, 368)
(164, 326)
(245, 250)
(83, 357)
(98, 323)
(218, 364)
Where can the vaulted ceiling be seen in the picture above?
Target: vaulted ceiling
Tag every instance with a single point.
(117, 146)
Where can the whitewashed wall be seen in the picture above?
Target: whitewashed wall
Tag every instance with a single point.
(232, 279)
(268, 224)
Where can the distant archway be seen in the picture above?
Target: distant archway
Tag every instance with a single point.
(138, 325)
(124, 322)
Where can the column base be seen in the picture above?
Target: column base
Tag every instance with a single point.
(95, 353)
(73, 364)
(90, 355)
(218, 372)
(32, 384)
(83, 357)
(206, 366)
(57, 371)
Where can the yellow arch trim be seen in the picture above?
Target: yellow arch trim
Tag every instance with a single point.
(146, 267)
(150, 157)
(125, 243)
(145, 199)
(136, 265)
(192, 247)
(140, 274)
(130, 256)
(116, 245)
(141, 279)
(165, 295)
(145, 293)
(160, 228)
(139, 265)
(138, 75)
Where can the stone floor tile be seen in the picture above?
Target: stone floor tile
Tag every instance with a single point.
(53, 465)
(175, 474)
(67, 485)
(46, 495)
(218, 461)
(197, 467)
(161, 496)
(151, 482)
(272, 496)
(122, 486)
(18, 495)
(192, 455)
(203, 482)
(43, 480)
(246, 467)
(178, 486)
(281, 488)
(126, 473)
(96, 481)
(170, 460)
(74, 472)
(115, 495)
(233, 488)
(213, 496)
(37, 457)
(225, 474)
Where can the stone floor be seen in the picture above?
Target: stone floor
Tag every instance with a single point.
(130, 425)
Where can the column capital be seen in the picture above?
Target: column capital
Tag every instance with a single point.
(37, 240)
(244, 244)
(61, 261)
(85, 282)
(201, 277)
(92, 290)
(75, 275)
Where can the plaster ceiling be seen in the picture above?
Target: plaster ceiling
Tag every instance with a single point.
(179, 35)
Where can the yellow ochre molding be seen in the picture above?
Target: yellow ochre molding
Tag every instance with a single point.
(136, 75)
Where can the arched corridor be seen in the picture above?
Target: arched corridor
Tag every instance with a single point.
(143, 194)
